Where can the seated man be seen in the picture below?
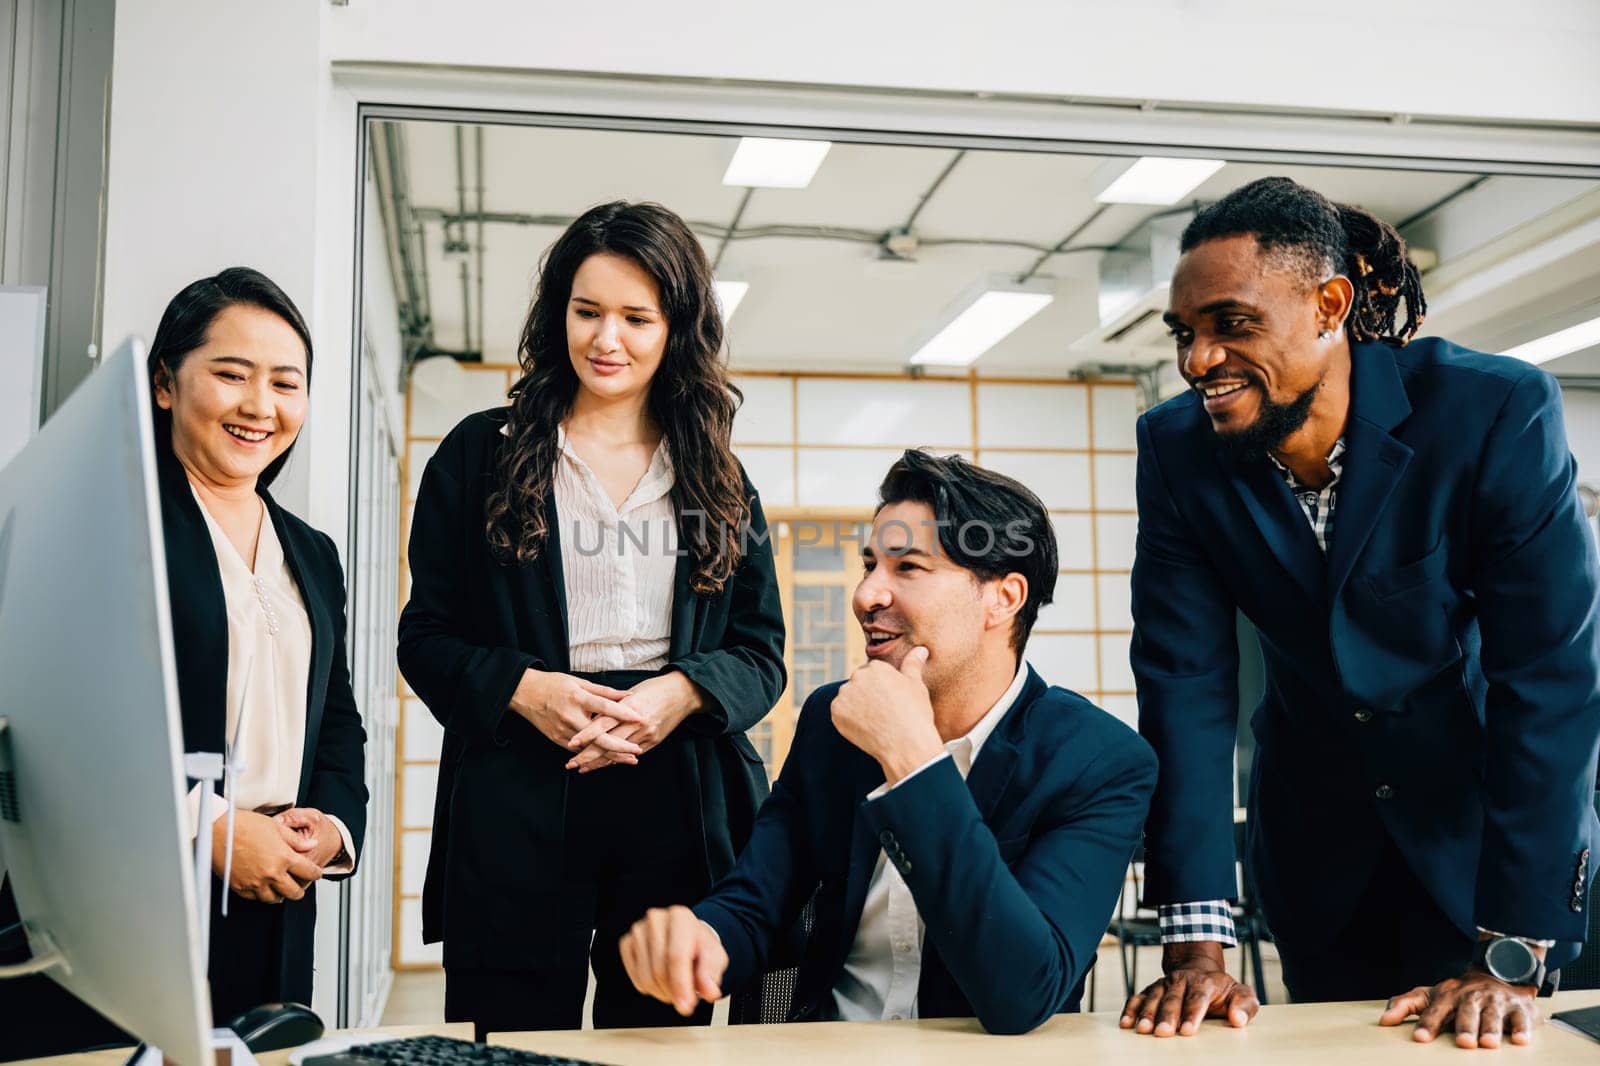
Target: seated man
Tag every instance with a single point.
(963, 827)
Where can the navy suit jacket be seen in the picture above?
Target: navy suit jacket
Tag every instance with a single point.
(1015, 870)
(1432, 679)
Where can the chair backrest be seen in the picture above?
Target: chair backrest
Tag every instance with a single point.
(770, 999)
(1584, 971)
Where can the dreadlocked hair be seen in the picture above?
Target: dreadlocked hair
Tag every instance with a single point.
(1321, 238)
(691, 399)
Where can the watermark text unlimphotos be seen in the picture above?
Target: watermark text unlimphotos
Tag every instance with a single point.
(894, 537)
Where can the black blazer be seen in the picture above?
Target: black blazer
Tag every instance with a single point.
(470, 630)
(332, 777)
(1015, 870)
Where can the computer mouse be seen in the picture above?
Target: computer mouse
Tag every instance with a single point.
(275, 1026)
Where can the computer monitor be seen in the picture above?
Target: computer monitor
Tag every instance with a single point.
(93, 827)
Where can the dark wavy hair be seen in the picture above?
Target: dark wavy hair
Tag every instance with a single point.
(691, 399)
(988, 523)
(188, 319)
(1320, 238)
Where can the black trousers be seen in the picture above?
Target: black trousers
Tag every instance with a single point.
(1397, 939)
(632, 841)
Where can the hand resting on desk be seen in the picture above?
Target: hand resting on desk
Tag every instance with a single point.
(1196, 986)
(1479, 1006)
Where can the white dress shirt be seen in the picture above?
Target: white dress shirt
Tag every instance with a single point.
(880, 977)
(269, 664)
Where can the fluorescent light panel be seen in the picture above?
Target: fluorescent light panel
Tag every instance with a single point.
(774, 163)
(1158, 180)
(1563, 342)
(729, 293)
(982, 324)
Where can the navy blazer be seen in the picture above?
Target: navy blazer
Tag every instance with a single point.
(1015, 870)
(1432, 679)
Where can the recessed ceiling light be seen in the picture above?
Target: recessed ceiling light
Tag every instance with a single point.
(1152, 179)
(774, 163)
(984, 316)
(1562, 342)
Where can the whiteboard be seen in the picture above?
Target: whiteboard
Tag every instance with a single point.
(22, 310)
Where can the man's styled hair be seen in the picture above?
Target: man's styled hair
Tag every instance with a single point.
(1320, 238)
(987, 523)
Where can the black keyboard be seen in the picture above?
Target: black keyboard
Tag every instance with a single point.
(439, 1051)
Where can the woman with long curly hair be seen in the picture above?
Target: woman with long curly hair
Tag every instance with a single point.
(594, 618)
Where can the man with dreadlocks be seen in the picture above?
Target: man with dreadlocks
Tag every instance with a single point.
(1400, 524)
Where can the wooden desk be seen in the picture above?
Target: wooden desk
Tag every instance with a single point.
(1318, 1034)
(117, 1056)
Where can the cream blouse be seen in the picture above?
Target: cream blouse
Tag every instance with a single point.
(618, 564)
(269, 665)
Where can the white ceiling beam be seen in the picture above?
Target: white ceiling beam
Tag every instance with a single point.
(965, 120)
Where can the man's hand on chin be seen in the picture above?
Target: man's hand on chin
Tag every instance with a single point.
(887, 714)
(1480, 1006)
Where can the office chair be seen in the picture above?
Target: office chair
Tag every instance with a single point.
(770, 999)
(1140, 929)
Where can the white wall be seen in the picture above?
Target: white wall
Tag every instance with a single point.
(1415, 57)
(212, 162)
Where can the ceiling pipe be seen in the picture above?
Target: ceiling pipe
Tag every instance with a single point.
(378, 161)
(1064, 243)
(412, 247)
(416, 319)
(733, 227)
(478, 150)
(719, 232)
(458, 244)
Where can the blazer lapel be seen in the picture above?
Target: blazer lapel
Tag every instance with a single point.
(551, 551)
(997, 762)
(323, 638)
(199, 612)
(1374, 460)
(1277, 515)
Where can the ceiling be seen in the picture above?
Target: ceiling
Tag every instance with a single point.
(815, 301)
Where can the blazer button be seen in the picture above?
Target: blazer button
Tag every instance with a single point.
(1363, 715)
(1384, 792)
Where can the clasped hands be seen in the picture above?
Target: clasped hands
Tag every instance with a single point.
(277, 857)
(1480, 1007)
(603, 726)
